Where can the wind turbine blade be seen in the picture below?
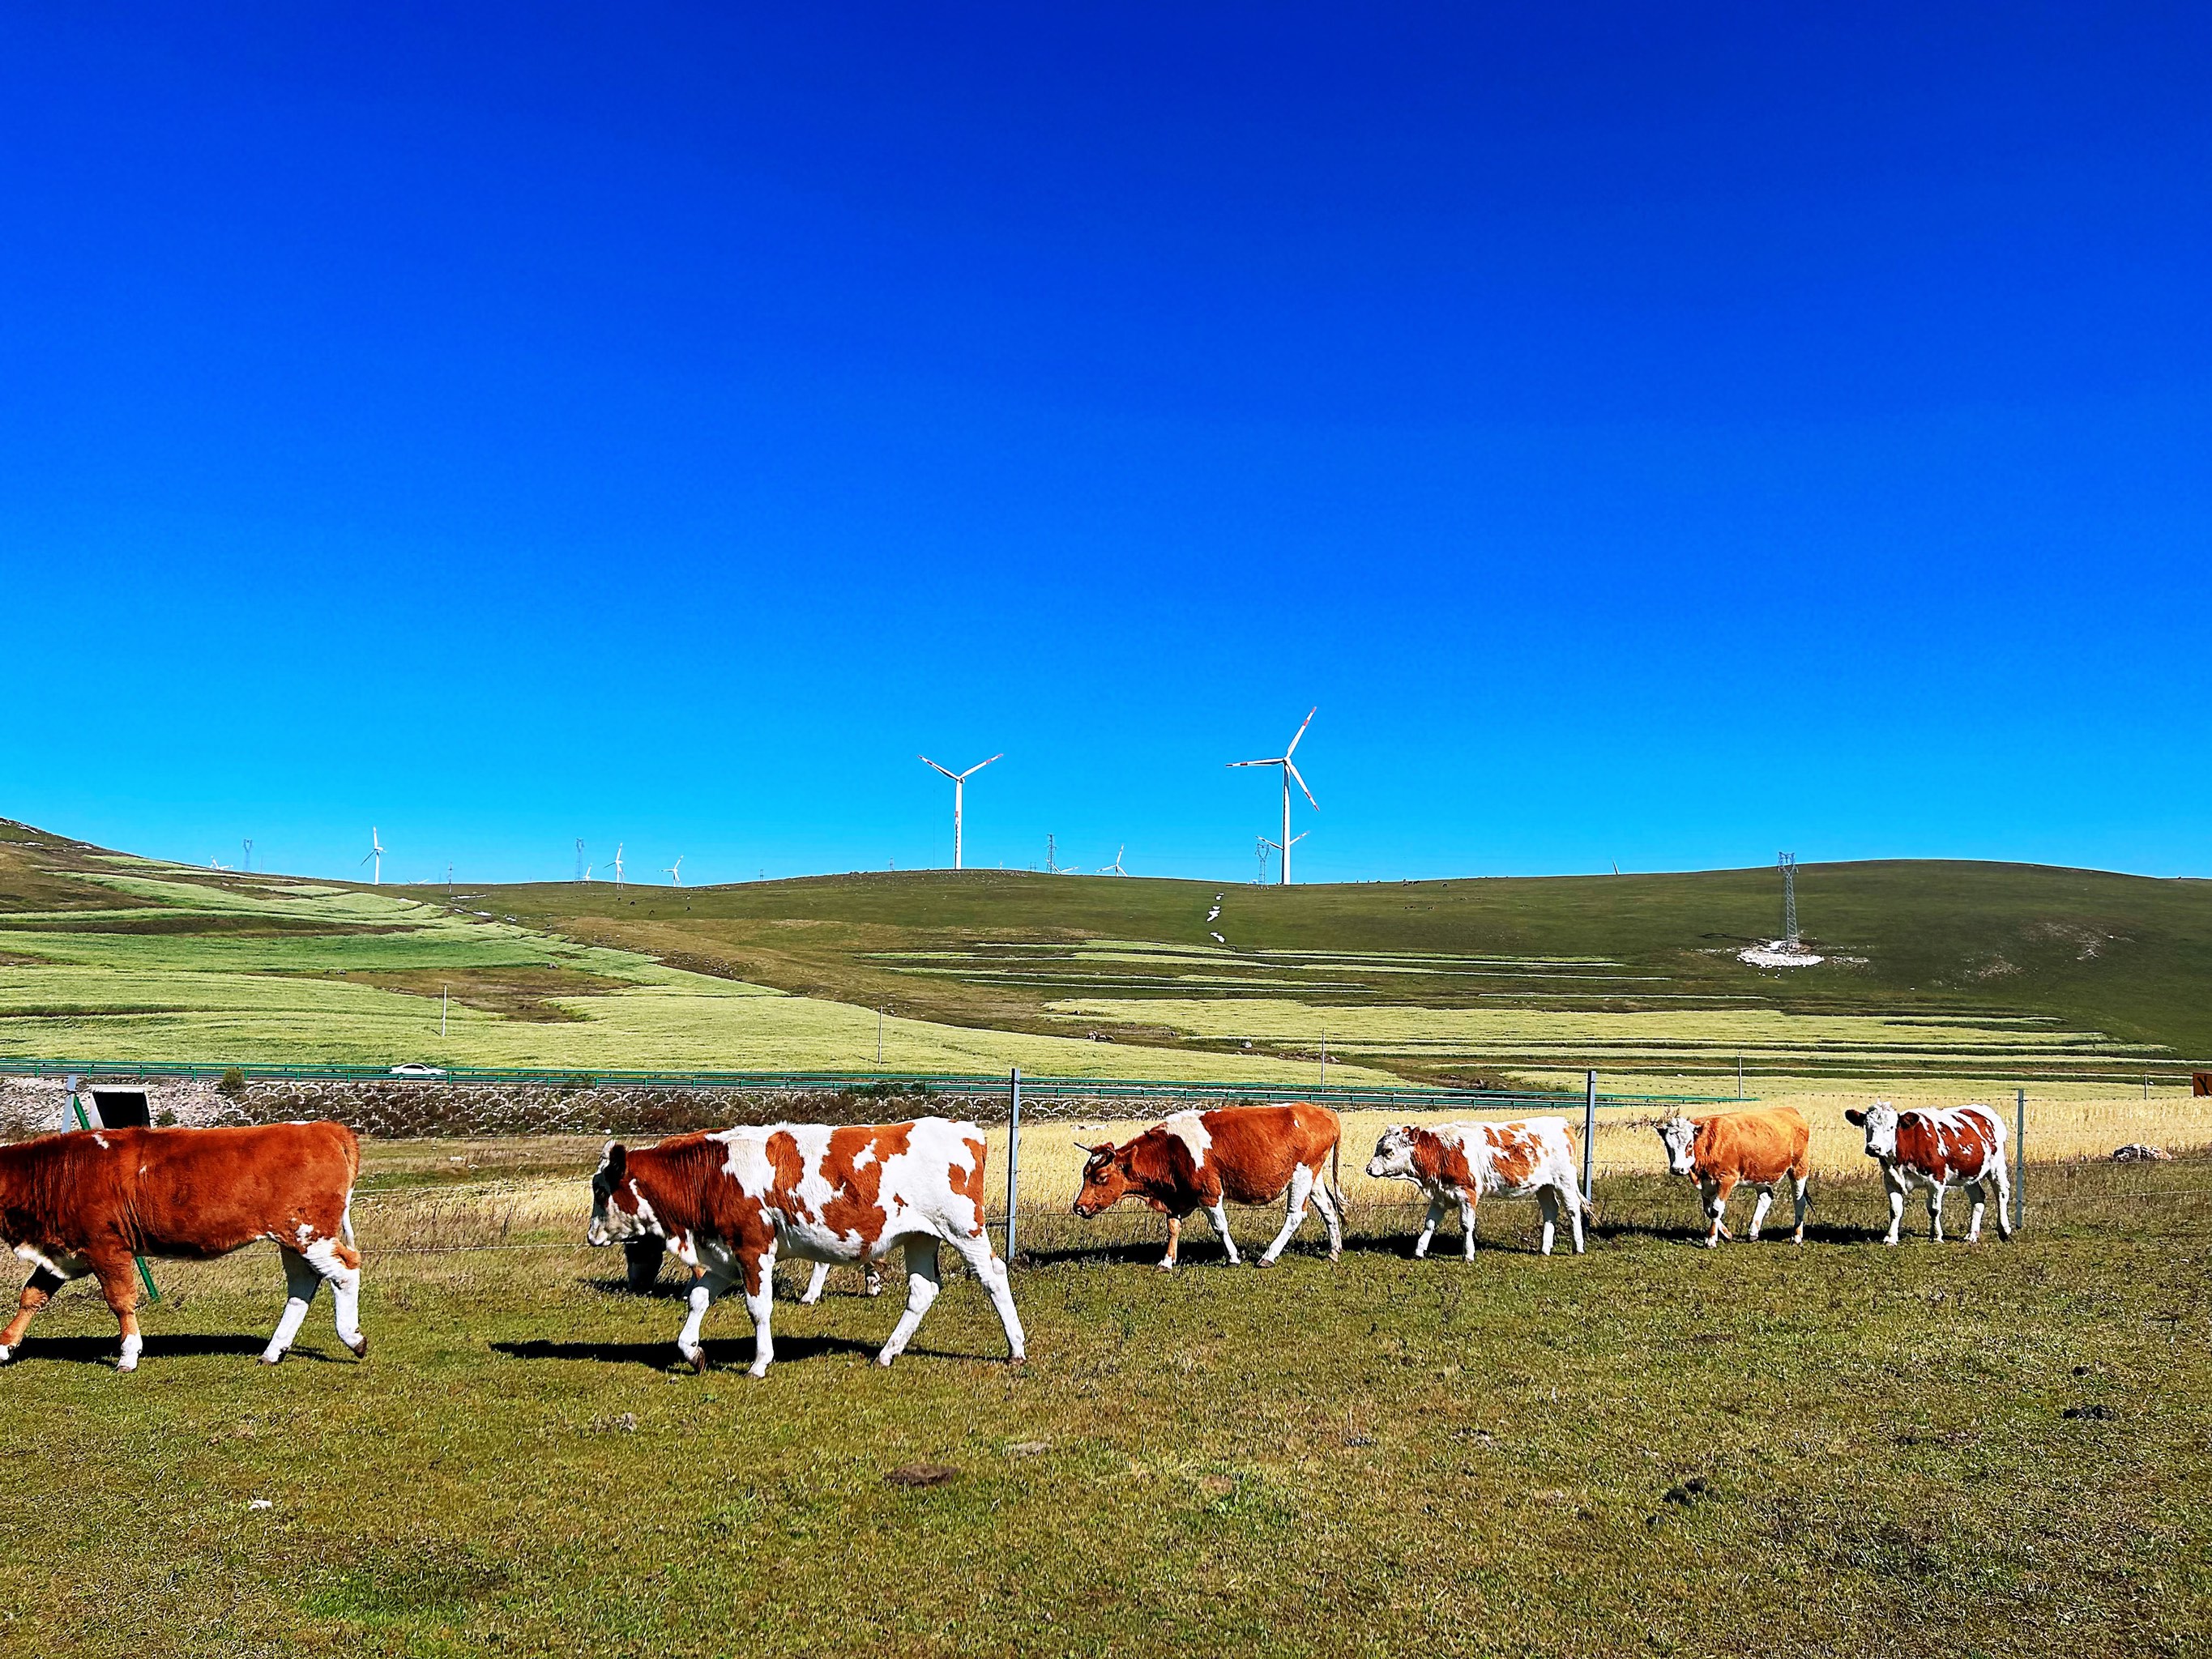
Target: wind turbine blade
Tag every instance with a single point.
(1302, 723)
(934, 767)
(1302, 784)
(980, 765)
(1278, 761)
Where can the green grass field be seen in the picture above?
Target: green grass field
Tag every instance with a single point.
(1977, 974)
(1652, 1449)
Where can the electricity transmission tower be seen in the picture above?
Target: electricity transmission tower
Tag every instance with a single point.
(1787, 863)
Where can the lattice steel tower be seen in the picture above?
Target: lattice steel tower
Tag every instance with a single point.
(1787, 863)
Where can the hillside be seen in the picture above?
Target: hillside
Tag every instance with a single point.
(1935, 970)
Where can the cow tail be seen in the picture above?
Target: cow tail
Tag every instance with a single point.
(1336, 1177)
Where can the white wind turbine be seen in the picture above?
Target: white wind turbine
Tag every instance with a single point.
(1290, 771)
(376, 852)
(959, 786)
(618, 882)
(675, 872)
(1115, 868)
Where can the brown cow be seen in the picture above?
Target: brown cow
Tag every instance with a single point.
(1938, 1147)
(1232, 1155)
(87, 1202)
(1458, 1162)
(1762, 1147)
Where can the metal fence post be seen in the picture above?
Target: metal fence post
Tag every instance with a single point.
(1013, 1157)
(1590, 1134)
(2020, 1158)
(69, 1104)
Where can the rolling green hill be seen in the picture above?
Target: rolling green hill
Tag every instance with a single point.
(1937, 970)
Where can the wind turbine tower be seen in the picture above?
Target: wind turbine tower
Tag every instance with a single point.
(959, 787)
(1787, 863)
(1290, 771)
(376, 852)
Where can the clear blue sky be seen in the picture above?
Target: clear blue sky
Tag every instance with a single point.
(1659, 434)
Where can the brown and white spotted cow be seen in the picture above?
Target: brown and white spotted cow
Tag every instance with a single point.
(89, 1201)
(730, 1202)
(1456, 1164)
(1762, 1147)
(1938, 1148)
(1232, 1155)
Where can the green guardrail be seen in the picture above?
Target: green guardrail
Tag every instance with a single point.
(926, 1083)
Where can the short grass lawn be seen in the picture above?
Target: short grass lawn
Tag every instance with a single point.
(1840, 1449)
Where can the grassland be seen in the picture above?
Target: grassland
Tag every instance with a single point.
(1976, 975)
(1974, 972)
(1652, 1449)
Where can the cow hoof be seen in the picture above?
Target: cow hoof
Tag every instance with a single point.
(1167, 1267)
(1335, 1256)
(126, 1367)
(697, 1361)
(6, 1354)
(360, 1346)
(1262, 1261)
(756, 1372)
(277, 1359)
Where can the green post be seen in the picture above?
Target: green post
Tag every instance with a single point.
(2020, 1158)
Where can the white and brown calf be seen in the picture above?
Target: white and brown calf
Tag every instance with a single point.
(1938, 1148)
(1455, 1164)
(730, 1202)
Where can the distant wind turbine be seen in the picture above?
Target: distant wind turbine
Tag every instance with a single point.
(959, 786)
(675, 872)
(619, 881)
(1115, 868)
(376, 852)
(1290, 771)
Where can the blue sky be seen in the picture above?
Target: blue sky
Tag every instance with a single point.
(1651, 434)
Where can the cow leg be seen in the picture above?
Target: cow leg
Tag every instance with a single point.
(1571, 1197)
(1331, 1218)
(1217, 1214)
(814, 1284)
(120, 1286)
(1547, 1206)
(1716, 1197)
(36, 1294)
(1429, 1228)
(1980, 1200)
(922, 1284)
(1798, 1182)
(1759, 1211)
(1294, 1215)
(705, 1287)
(1174, 1243)
(301, 1280)
(760, 1303)
(976, 1251)
(1896, 1205)
(1935, 1211)
(340, 1265)
(1467, 1227)
(2002, 1180)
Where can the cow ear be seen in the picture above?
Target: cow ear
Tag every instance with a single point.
(616, 1159)
(1852, 1114)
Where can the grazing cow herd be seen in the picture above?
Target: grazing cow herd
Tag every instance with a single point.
(729, 1205)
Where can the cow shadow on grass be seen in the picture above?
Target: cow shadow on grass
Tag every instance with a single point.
(103, 1350)
(723, 1354)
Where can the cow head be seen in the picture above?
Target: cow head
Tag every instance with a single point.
(1677, 1134)
(1880, 1122)
(1394, 1155)
(1105, 1179)
(617, 1212)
